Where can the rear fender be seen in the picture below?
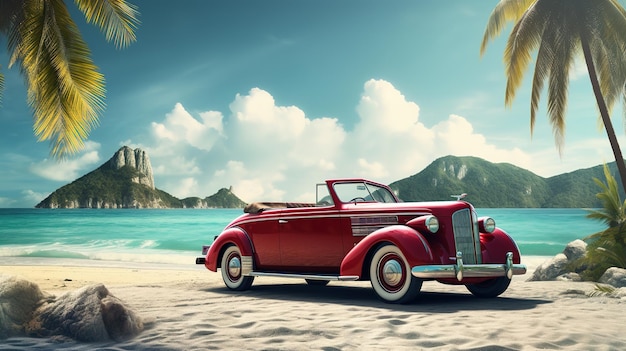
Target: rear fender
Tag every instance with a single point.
(495, 245)
(412, 244)
(231, 236)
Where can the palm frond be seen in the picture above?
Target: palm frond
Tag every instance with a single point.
(545, 57)
(602, 290)
(605, 25)
(613, 210)
(564, 46)
(506, 11)
(118, 19)
(65, 89)
(10, 13)
(524, 39)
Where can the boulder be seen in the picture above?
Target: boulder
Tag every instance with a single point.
(88, 314)
(556, 268)
(575, 250)
(551, 269)
(614, 276)
(18, 300)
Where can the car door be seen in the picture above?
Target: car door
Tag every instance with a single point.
(311, 240)
(263, 231)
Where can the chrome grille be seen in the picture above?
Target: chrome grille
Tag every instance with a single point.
(466, 236)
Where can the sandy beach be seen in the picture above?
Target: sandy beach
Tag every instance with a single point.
(188, 308)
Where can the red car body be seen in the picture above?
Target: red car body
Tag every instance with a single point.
(358, 230)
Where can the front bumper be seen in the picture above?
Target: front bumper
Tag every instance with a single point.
(205, 250)
(460, 271)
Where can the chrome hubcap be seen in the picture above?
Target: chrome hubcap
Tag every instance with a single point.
(234, 267)
(392, 273)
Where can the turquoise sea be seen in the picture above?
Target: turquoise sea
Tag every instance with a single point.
(176, 236)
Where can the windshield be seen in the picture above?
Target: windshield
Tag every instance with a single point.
(360, 191)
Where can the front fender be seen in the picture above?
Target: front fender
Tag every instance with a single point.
(412, 244)
(495, 245)
(231, 236)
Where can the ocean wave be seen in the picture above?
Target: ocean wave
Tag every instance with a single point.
(148, 244)
(145, 255)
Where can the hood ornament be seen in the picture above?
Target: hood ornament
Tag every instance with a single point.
(459, 197)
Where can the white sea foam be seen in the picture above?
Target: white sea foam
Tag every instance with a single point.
(148, 244)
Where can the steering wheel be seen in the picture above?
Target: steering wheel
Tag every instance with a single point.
(358, 198)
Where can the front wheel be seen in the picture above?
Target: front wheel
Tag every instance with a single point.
(391, 277)
(489, 288)
(232, 271)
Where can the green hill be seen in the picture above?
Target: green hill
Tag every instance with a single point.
(224, 198)
(115, 188)
(125, 181)
(500, 184)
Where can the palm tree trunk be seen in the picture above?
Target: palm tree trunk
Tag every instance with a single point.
(604, 112)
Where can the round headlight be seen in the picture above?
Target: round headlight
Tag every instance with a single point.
(432, 223)
(488, 224)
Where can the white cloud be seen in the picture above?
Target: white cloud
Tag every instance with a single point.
(32, 197)
(271, 153)
(456, 136)
(180, 127)
(187, 187)
(71, 169)
(249, 185)
(576, 155)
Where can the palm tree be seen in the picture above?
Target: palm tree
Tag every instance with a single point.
(559, 30)
(65, 89)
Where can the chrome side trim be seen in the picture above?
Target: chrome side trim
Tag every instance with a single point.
(461, 271)
(306, 276)
(365, 225)
(246, 265)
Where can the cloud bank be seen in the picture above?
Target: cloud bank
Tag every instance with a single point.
(270, 152)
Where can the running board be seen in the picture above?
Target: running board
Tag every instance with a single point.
(305, 276)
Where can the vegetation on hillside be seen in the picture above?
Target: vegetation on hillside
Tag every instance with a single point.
(103, 185)
(224, 198)
(116, 188)
(500, 185)
(486, 184)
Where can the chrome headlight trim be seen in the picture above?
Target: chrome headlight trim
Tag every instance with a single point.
(487, 224)
(432, 224)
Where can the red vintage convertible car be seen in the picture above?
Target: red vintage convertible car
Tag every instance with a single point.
(359, 230)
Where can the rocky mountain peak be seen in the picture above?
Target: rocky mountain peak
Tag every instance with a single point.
(137, 159)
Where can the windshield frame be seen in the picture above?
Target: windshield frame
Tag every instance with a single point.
(362, 191)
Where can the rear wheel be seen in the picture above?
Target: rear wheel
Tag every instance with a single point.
(391, 277)
(232, 271)
(489, 288)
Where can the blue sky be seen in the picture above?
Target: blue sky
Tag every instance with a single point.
(273, 96)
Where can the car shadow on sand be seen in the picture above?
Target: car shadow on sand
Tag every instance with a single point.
(427, 301)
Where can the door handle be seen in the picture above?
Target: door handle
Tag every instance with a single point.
(282, 221)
